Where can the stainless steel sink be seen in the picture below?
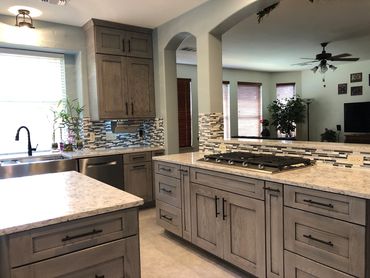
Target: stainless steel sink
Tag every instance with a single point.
(34, 165)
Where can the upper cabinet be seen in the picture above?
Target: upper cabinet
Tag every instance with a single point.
(120, 71)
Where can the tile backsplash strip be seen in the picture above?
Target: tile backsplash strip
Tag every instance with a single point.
(321, 155)
(98, 134)
(211, 126)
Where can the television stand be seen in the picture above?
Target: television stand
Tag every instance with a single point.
(357, 138)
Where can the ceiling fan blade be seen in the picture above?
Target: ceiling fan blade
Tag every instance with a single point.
(346, 59)
(341, 55)
(304, 64)
(308, 59)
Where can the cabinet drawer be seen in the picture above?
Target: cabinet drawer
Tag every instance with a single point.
(113, 259)
(231, 183)
(158, 153)
(43, 243)
(299, 267)
(332, 242)
(169, 217)
(168, 190)
(167, 169)
(137, 157)
(342, 207)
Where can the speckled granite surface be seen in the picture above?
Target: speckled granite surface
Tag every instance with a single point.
(37, 201)
(352, 182)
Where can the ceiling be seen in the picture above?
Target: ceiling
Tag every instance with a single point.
(293, 30)
(145, 13)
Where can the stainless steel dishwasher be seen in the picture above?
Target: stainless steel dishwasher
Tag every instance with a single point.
(108, 169)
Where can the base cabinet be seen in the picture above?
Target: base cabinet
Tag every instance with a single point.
(229, 226)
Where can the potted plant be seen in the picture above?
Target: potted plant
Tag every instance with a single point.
(70, 115)
(328, 136)
(54, 144)
(285, 115)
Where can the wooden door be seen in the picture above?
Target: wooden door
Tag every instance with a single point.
(141, 87)
(244, 232)
(206, 219)
(184, 112)
(112, 86)
(139, 45)
(138, 180)
(274, 230)
(110, 41)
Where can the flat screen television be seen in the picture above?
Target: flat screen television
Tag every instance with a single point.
(357, 117)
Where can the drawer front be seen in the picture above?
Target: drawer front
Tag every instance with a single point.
(137, 157)
(299, 267)
(114, 259)
(342, 207)
(168, 190)
(232, 183)
(40, 244)
(167, 169)
(169, 217)
(332, 242)
(158, 153)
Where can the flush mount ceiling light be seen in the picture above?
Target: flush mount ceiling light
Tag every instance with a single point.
(23, 19)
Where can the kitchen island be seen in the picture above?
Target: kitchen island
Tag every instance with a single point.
(67, 224)
(311, 221)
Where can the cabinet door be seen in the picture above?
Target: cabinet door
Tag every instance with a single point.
(110, 41)
(206, 219)
(119, 258)
(139, 45)
(274, 230)
(138, 180)
(141, 87)
(185, 202)
(244, 232)
(112, 86)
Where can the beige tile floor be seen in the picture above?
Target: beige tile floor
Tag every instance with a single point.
(165, 255)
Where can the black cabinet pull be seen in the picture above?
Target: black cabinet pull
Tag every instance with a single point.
(138, 166)
(166, 190)
(165, 169)
(318, 203)
(223, 209)
(216, 209)
(123, 46)
(132, 108)
(129, 46)
(93, 232)
(126, 108)
(183, 171)
(166, 217)
(99, 276)
(319, 240)
(272, 189)
(138, 157)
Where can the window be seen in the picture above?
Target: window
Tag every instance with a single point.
(31, 84)
(284, 91)
(226, 107)
(249, 109)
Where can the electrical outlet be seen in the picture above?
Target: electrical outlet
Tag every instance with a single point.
(111, 136)
(92, 136)
(222, 147)
(355, 159)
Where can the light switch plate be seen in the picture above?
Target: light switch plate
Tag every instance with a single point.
(355, 159)
(111, 136)
(92, 136)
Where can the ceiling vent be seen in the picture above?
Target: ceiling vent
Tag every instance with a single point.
(189, 49)
(56, 2)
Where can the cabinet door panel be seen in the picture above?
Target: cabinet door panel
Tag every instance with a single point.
(110, 41)
(185, 202)
(139, 45)
(138, 180)
(140, 84)
(274, 230)
(112, 86)
(207, 230)
(244, 243)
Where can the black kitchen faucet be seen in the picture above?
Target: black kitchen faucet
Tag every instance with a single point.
(30, 149)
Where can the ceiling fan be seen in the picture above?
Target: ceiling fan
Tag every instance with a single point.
(324, 57)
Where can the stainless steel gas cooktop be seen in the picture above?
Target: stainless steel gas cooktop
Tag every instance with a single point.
(262, 162)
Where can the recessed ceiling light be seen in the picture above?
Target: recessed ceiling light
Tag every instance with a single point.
(33, 12)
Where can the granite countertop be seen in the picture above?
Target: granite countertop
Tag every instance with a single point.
(83, 153)
(351, 182)
(41, 200)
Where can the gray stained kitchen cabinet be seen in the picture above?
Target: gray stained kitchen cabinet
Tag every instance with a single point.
(229, 226)
(120, 71)
(274, 230)
(138, 175)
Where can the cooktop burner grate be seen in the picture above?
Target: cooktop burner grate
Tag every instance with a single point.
(268, 162)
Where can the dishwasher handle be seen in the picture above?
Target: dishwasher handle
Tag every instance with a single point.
(99, 164)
